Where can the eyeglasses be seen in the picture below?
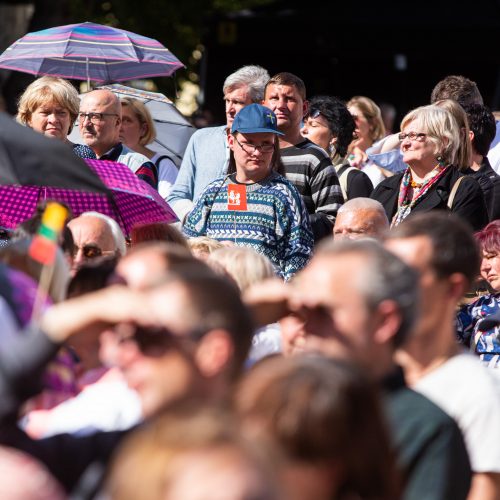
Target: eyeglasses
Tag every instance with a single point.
(251, 148)
(91, 251)
(94, 118)
(413, 136)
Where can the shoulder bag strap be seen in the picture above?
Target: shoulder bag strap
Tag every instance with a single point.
(343, 173)
(453, 192)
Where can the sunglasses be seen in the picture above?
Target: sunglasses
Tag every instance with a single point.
(151, 341)
(91, 251)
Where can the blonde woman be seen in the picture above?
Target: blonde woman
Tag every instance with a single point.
(136, 132)
(430, 142)
(50, 106)
(369, 129)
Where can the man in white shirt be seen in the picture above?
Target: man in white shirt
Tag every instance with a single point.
(442, 248)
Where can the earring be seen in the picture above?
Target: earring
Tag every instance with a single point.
(440, 160)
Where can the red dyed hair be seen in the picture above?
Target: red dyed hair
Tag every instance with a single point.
(489, 237)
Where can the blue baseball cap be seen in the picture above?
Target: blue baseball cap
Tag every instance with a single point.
(255, 118)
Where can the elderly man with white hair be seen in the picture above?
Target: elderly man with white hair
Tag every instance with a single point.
(360, 218)
(95, 235)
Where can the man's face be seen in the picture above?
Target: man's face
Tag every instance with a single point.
(252, 164)
(100, 133)
(92, 238)
(168, 372)
(417, 253)
(337, 322)
(357, 224)
(236, 98)
(287, 104)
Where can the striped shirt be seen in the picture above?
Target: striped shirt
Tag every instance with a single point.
(310, 170)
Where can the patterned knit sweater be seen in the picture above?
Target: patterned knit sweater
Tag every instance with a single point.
(275, 223)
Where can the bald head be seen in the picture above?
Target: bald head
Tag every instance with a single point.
(361, 218)
(93, 237)
(101, 130)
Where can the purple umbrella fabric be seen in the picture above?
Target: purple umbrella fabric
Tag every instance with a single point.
(131, 202)
(89, 51)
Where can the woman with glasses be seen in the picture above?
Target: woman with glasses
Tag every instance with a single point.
(429, 142)
(330, 125)
(254, 205)
(50, 106)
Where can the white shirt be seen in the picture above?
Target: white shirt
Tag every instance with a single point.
(468, 392)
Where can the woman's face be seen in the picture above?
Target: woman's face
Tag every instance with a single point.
(418, 151)
(317, 130)
(131, 130)
(490, 269)
(362, 130)
(51, 120)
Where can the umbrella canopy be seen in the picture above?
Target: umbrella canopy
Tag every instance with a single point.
(90, 51)
(29, 158)
(172, 129)
(130, 201)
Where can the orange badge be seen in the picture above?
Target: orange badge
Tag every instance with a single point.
(236, 197)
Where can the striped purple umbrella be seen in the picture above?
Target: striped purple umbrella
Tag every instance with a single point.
(130, 202)
(90, 51)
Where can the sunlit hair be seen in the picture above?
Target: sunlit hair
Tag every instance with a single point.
(46, 90)
(489, 238)
(203, 244)
(157, 231)
(441, 129)
(244, 265)
(144, 116)
(457, 87)
(372, 114)
(175, 443)
(464, 152)
(289, 79)
(321, 412)
(254, 77)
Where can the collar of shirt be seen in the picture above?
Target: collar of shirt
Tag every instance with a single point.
(113, 153)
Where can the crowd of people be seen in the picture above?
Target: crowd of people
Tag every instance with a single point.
(321, 323)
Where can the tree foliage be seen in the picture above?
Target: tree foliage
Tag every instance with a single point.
(180, 25)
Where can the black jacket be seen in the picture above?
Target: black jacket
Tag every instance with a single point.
(359, 184)
(468, 203)
(489, 181)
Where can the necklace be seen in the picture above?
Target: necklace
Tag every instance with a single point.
(416, 185)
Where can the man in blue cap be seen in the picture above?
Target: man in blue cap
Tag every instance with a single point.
(254, 205)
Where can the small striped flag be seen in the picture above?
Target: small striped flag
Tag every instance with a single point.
(44, 245)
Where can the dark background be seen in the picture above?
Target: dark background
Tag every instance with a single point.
(348, 50)
(393, 52)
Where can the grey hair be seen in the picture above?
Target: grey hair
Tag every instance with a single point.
(384, 277)
(115, 229)
(255, 77)
(362, 204)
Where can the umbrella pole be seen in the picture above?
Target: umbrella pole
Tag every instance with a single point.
(42, 292)
(88, 75)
